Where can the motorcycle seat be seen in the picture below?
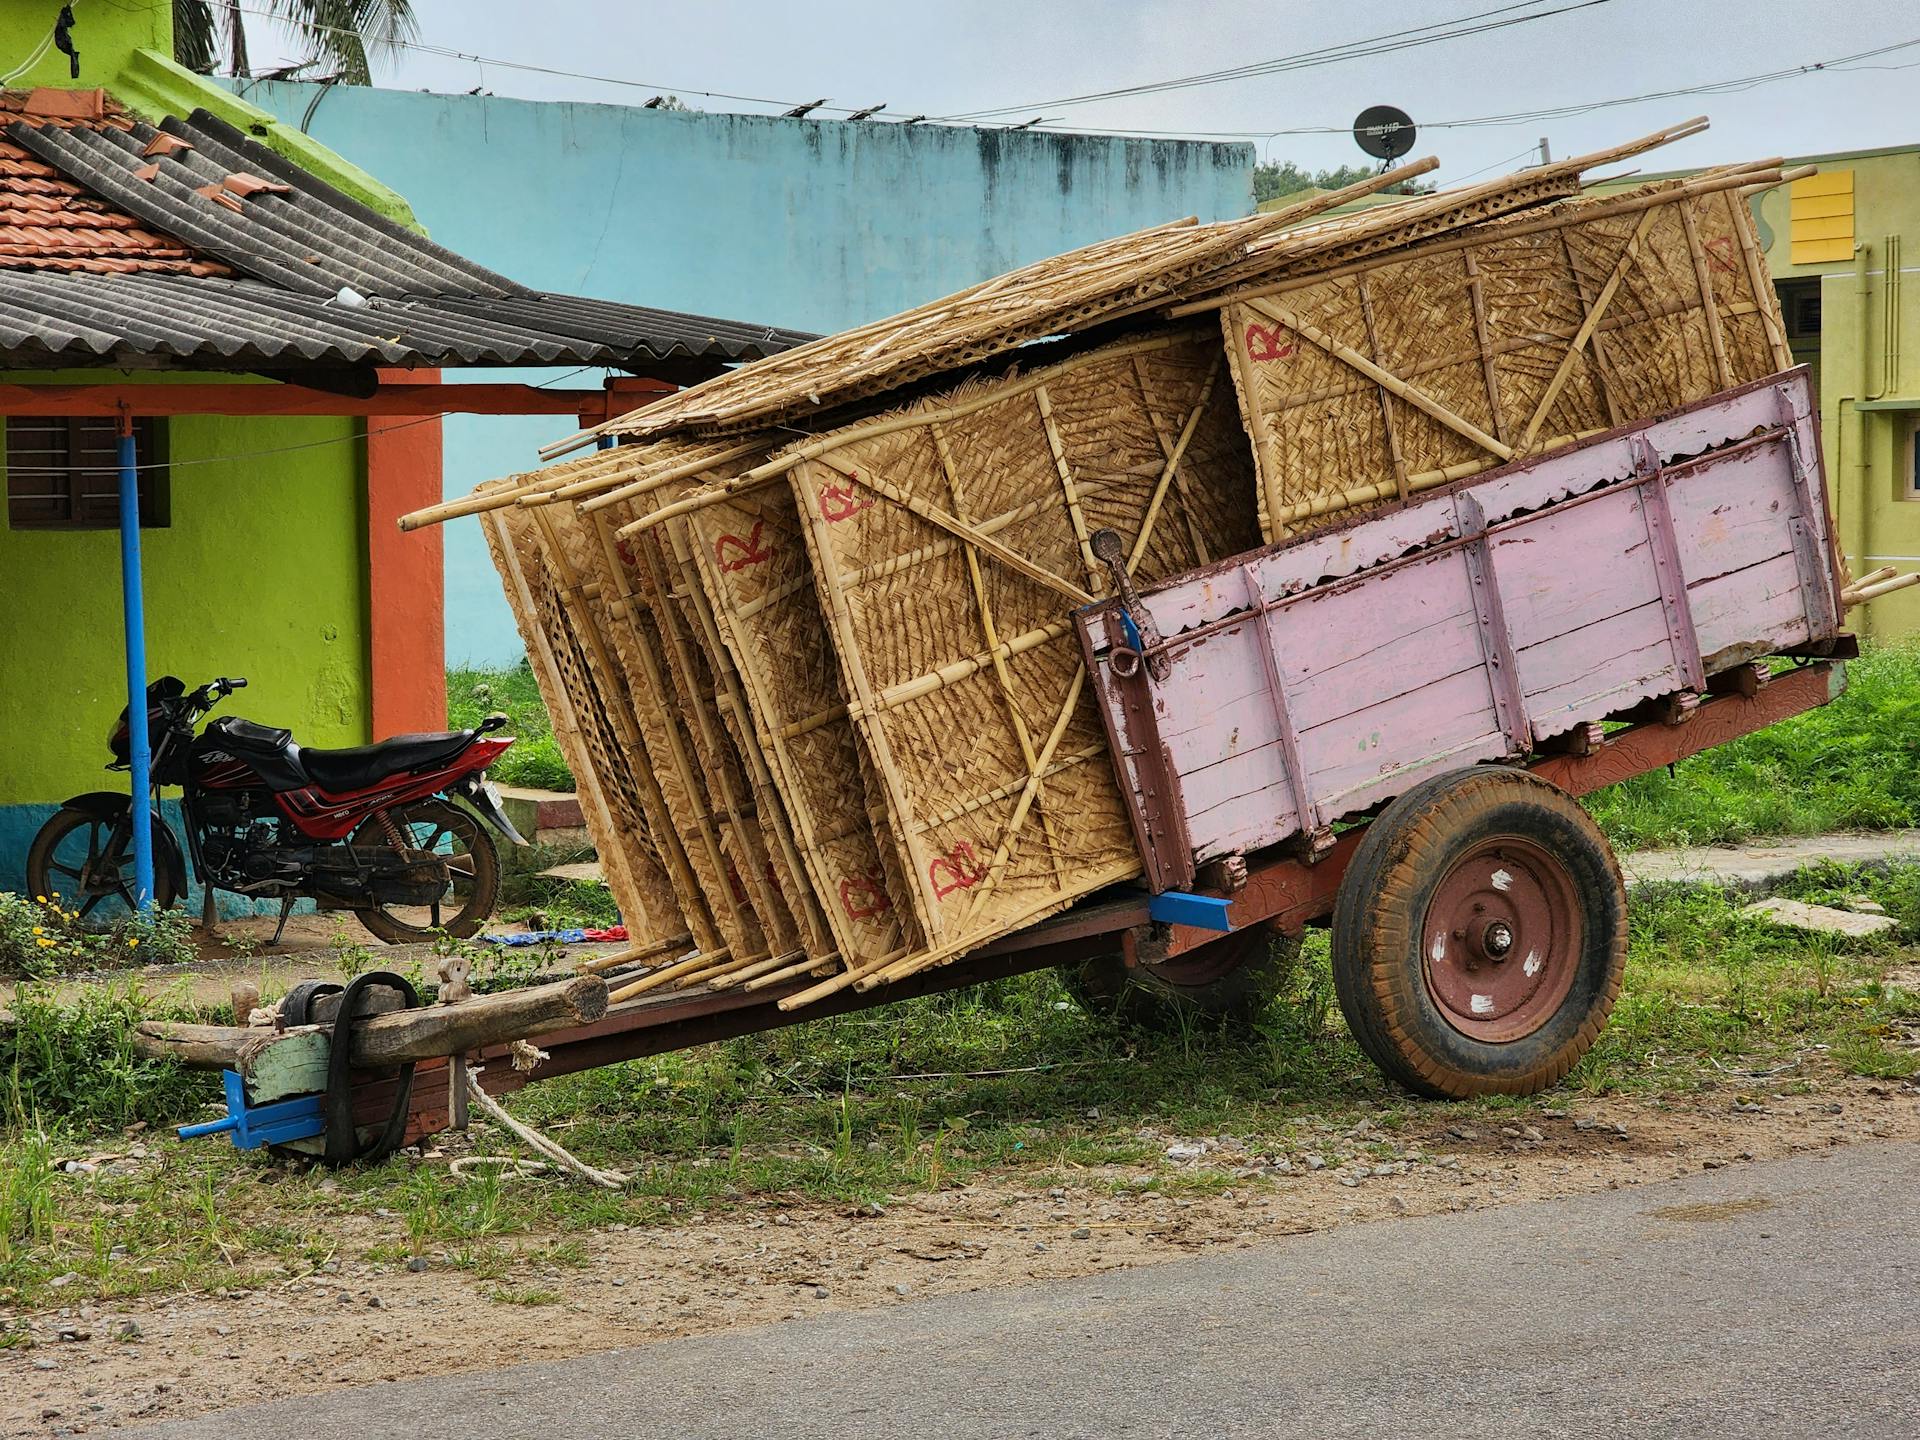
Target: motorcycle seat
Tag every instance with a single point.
(359, 766)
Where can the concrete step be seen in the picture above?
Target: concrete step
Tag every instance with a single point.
(545, 817)
(586, 873)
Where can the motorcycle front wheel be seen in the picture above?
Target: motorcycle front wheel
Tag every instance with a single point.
(84, 862)
(458, 838)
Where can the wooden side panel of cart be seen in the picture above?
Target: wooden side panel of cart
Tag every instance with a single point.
(1550, 595)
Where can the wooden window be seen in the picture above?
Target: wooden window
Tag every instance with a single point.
(1911, 491)
(63, 472)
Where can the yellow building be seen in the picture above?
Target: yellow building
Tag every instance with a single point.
(1834, 246)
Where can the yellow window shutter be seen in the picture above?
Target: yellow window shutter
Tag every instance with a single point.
(1820, 212)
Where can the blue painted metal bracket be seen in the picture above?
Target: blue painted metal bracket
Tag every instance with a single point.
(1179, 907)
(255, 1125)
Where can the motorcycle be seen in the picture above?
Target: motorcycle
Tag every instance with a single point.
(374, 829)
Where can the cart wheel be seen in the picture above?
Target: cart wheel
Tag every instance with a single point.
(1231, 979)
(1480, 935)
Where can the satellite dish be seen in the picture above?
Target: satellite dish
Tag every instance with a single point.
(1384, 132)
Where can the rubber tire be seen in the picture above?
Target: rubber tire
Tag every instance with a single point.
(486, 885)
(1236, 977)
(1378, 922)
(62, 823)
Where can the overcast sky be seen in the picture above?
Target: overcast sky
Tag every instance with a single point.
(970, 55)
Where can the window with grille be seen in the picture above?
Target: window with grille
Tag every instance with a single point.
(63, 472)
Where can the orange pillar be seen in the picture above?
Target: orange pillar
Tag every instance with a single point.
(406, 591)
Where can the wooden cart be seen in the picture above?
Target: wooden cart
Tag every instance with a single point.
(1382, 725)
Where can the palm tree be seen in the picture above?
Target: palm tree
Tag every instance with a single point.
(337, 33)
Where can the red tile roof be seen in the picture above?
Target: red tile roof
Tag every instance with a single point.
(47, 222)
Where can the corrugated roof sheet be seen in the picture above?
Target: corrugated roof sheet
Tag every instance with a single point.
(120, 242)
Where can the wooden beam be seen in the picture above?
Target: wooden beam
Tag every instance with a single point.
(240, 399)
(216, 398)
(399, 1036)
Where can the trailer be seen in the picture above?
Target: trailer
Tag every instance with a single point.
(1383, 726)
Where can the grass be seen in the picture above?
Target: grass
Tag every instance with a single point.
(1850, 765)
(1847, 766)
(534, 760)
(1008, 1079)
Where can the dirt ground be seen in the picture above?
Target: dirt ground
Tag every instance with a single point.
(353, 1322)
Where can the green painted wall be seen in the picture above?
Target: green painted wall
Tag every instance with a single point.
(261, 573)
(1869, 355)
(106, 35)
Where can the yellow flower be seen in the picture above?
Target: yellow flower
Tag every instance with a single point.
(38, 931)
(44, 944)
(39, 899)
(132, 940)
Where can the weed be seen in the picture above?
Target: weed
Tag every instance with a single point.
(504, 1296)
(535, 759)
(73, 1058)
(1847, 765)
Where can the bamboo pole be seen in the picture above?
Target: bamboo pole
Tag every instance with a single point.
(1758, 280)
(1398, 460)
(1075, 515)
(1729, 177)
(1603, 368)
(972, 535)
(1194, 535)
(1476, 295)
(1628, 254)
(1709, 303)
(853, 665)
(595, 964)
(1860, 593)
(653, 979)
(1414, 396)
(685, 469)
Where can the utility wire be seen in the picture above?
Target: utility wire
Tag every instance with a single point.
(1310, 59)
(1840, 64)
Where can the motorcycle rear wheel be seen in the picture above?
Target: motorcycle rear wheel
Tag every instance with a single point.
(74, 859)
(460, 838)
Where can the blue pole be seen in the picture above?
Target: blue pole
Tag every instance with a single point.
(133, 606)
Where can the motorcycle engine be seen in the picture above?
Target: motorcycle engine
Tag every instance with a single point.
(242, 848)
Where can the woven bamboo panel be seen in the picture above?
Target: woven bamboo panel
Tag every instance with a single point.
(759, 579)
(948, 554)
(613, 794)
(1429, 365)
(631, 646)
(1081, 288)
(643, 571)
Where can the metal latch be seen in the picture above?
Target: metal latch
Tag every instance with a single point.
(1111, 550)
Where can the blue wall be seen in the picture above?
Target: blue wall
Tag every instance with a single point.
(816, 225)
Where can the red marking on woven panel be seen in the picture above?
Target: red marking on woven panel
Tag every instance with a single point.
(1720, 254)
(842, 502)
(961, 870)
(1265, 343)
(733, 883)
(863, 896)
(734, 553)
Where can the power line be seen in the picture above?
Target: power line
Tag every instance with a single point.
(1388, 43)
(1840, 64)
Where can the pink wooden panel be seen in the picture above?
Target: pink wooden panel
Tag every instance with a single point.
(1730, 512)
(1384, 668)
(1762, 604)
(1573, 567)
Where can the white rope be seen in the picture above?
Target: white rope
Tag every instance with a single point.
(610, 1179)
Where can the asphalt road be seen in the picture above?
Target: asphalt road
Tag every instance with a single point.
(1771, 1300)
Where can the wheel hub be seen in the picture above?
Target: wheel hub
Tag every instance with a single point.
(1503, 940)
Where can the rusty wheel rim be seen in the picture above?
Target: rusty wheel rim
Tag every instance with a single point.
(1502, 940)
